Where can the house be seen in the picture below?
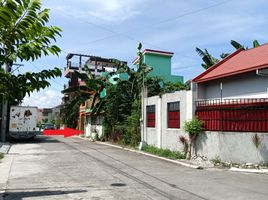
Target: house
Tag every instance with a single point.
(47, 115)
(69, 72)
(243, 74)
(231, 98)
(160, 61)
(39, 115)
(97, 65)
(240, 80)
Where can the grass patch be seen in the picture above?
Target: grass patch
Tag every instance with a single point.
(1, 156)
(164, 152)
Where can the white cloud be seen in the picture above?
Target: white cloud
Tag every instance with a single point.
(44, 99)
(104, 10)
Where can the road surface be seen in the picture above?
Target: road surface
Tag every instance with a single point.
(72, 168)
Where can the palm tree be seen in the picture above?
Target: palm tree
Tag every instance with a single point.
(237, 45)
(208, 59)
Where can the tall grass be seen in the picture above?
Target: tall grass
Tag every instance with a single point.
(164, 152)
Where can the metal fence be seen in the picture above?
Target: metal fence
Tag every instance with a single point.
(243, 115)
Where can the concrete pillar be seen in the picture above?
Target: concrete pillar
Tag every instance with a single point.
(159, 122)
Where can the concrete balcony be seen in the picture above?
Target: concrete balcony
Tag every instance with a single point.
(71, 67)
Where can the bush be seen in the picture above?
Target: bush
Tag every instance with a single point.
(193, 127)
(164, 152)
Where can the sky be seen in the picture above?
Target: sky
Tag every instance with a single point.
(113, 29)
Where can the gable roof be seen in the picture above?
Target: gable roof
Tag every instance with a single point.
(240, 61)
(156, 52)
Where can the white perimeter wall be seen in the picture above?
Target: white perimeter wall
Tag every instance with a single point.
(235, 147)
(161, 136)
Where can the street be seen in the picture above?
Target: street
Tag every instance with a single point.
(72, 168)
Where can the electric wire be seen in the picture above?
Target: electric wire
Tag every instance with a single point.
(124, 34)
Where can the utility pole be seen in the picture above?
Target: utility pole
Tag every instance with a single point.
(4, 112)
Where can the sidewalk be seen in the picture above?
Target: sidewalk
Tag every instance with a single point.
(5, 166)
(184, 163)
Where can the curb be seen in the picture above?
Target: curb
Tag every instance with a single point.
(254, 171)
(4, 148)
(151, 155)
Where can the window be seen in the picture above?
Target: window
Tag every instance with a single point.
(173, 114)
(150, 110)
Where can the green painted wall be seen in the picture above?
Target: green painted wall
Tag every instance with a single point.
(161, 67)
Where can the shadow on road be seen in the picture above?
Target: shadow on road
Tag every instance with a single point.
(27, 194)
(38, 139)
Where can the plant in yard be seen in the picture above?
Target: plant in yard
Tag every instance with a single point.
(164, 152)
(184, 141)
(256, 140)
(1, 156)
(216, 160)
(193, 127)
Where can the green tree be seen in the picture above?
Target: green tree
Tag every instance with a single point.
(81, 93)
(23, 31)
(237, 45)
(15, 88)
(24, 36)
(207, 58)
(172, 87)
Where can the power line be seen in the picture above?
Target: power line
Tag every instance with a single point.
(50, 79)
(115, 33)
(192, 12)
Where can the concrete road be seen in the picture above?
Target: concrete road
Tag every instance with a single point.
(58, 168)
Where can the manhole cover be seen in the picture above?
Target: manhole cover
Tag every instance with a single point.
(118, 184)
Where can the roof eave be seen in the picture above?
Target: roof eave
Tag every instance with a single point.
(198, 78)
(233, 73)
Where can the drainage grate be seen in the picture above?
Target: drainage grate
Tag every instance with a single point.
(118, 184)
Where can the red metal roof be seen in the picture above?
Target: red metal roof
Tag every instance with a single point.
(238, 62)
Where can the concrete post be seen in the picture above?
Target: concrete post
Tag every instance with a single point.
(143, 117)
(159, 122)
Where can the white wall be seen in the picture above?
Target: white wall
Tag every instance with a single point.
(161, 136)
(94, 125)
(235, 147)
(247, 85)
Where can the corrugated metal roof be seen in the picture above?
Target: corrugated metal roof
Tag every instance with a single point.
(238, 62)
